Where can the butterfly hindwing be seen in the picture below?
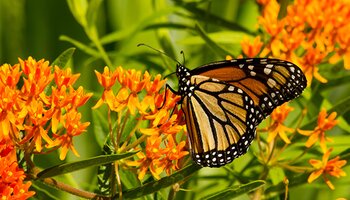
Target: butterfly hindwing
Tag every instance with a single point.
(221, 121)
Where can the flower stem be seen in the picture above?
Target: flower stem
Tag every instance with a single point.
(67, 188)
(119, 183)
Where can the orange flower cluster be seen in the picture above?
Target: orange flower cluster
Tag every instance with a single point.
(327, 167)
(324, 123)
(11, 176)
(32, 116)
(311, 33)
(141, 96)
(278, 116)
(158, 159)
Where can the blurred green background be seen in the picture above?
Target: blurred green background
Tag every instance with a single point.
(43, 29)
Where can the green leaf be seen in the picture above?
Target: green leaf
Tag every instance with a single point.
(106, 174)
(155, 186)
(92, 12)
(78, 8)
(88, 50)
(63, 58)
(216, 48)
(100, 126)
(207, 17)
(236, 191)
(135, 29)
(276, 174)
(335, 82)
(228, 37)
(293, 182)
(74, 166)
(345, 155)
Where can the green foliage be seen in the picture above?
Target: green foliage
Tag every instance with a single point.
(74, 166)
(107, 33)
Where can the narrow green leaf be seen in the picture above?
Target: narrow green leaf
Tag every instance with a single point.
(228, 37)
(106, 174)
(135, 29)
(236, 191)
(276, 174)
(92, 12)
(202, 15)
(63, 58)
(74, 166)
(216, 48)
(154, 186)
(335, 82)
(100, 126)
(345, 155)
(293, 182)
(78, 9)
(88, 50)
(169, 25)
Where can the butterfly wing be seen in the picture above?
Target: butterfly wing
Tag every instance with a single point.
(224, 101)
(269, 82)
(220, 121)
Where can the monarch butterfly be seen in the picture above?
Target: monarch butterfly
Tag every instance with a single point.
(225, 101)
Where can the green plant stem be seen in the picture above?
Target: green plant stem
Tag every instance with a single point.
(77, 192)
(132, 132)
(111, 129)
(119, 183)
(173, 191)
(67, 188)
(121, 128)
(134, 144)
(93, 35)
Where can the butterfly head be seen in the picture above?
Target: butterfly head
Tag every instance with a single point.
(184, 76)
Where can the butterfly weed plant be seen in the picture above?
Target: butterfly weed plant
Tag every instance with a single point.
(144, 135)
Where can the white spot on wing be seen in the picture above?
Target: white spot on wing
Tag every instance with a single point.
(267, 71)
(269, 65)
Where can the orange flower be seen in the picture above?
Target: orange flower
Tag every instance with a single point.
(38, 76)
(174, 152)
(12, 184)
(73, 127)
(156, 158)
(277, 128)
(64, 77)
(9, 75)
(251, 49)
(108, 78)
(312, 32)
(28, 114)
(319, 133)
(327, 167)
(150, 160)
(141, 94)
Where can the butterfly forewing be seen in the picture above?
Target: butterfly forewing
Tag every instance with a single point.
(269, 82)
(224, 101)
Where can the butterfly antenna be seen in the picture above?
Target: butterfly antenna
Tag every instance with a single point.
(183, 56)
(159, 51)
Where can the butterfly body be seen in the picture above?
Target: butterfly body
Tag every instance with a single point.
(223, 103)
